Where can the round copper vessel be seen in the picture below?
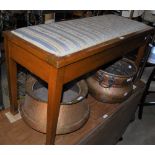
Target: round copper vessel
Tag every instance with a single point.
(113, 84)
(74, 111)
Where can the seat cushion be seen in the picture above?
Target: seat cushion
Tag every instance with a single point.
(67, 37)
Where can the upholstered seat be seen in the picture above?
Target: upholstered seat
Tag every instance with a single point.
(67, 37)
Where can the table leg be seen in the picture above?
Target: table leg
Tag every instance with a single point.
(55, 86)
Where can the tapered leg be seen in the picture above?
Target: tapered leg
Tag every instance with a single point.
(55, 86)
(12, 80)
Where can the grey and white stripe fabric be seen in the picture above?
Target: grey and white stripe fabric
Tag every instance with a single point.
(67, 37)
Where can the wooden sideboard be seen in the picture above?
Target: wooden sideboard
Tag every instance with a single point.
(57, 71)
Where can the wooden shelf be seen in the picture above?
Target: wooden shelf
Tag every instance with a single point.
(21, 133)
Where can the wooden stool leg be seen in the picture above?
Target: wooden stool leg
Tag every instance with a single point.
(55, 86)
(12, 80)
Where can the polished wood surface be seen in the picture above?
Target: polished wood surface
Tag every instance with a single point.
(57, 71)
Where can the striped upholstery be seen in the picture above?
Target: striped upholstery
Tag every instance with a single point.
(67, 37)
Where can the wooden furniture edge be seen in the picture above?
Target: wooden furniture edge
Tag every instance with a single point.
(59, 62)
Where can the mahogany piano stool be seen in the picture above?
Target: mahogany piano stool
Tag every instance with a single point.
(58, 70)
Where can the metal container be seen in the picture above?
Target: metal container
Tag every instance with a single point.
(113, 84)
(73, 114)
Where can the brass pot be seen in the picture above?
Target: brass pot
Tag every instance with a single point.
(115, 87)
(73, 112)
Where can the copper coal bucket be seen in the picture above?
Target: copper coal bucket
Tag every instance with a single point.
(113, 84)
(74, 111)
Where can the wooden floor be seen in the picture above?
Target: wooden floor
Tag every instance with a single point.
(20, 133)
